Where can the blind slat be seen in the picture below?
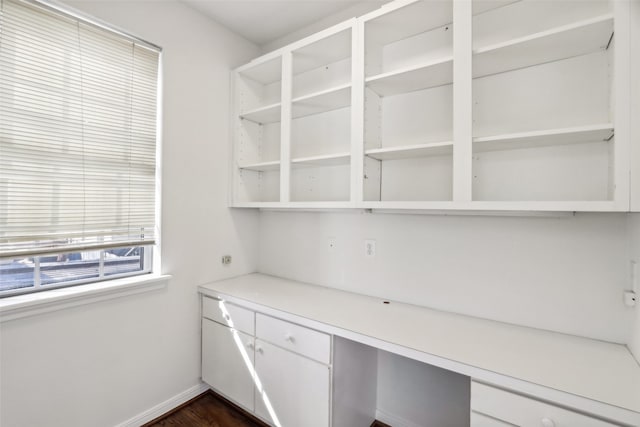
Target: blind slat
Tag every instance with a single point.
(77, 135)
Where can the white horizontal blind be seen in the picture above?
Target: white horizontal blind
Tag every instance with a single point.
(77, 134)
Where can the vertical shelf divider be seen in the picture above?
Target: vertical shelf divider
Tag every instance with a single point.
(357, 112)
(285, 127)
(462, 101)
(621, 108)
(232, 196)
(634, 87)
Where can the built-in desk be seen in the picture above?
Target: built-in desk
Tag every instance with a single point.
(581, 374)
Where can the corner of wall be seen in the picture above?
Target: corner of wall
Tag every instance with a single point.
(634, 256)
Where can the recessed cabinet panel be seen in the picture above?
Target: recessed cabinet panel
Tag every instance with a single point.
(227, 362)
(295, 390)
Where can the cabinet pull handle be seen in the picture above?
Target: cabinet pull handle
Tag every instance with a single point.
(260, 350)
(227, 317)
(250, 345)
(290, 338)
(547, 422)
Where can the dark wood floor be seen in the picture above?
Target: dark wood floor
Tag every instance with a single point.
(207, 410)
(212, 410)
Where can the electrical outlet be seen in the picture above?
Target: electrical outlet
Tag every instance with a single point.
(226, 259)
(331, 244)
(370, 248)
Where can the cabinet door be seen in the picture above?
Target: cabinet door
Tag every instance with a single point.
(295, 390)
(227, 362)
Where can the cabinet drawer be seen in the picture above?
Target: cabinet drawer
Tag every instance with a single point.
(228, 314)
(524, 411)
(480, 420)
(313, 344)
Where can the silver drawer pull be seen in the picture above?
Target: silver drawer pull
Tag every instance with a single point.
(547, 422)
(260, 350)
(290, 338)
(250, 345)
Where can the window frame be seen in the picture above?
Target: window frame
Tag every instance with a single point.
(38, 286)
(21, 302)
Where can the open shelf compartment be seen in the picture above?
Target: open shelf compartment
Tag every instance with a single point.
(323, 101)
(416, 77)
(572, 135)
(567, 41)
(411, 151)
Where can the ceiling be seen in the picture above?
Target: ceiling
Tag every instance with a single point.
(263, 21)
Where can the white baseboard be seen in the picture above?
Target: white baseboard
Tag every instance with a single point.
(394, 420)
(165, 406)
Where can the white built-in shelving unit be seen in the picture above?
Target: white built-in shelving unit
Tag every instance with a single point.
(408, 114)
(485, 105)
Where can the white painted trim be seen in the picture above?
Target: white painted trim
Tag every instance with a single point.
(285, 127)
(386, 8)
(20, 306)
(356, 193)
(166, 406)
(622, 104)
(634, 107)
(394, 420)
(462, 102)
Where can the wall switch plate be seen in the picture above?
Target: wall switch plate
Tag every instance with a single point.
(226, 259)
(370, 248)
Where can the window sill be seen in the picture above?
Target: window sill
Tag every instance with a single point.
(19, 306)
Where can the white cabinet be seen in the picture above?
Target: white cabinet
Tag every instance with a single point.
(492, 406)
(295, 390)
(276, 369)
(227, 362)
(293, 123)
(317, 362)
(544, 103)
(487, 105)
(307, 342)
(408, 132)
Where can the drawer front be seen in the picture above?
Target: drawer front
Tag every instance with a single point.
(524, 411)
(480, 420)
(228, 314)
(313, 344)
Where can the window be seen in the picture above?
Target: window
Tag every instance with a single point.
(78, 120)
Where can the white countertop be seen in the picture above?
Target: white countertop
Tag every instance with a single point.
(596, 370)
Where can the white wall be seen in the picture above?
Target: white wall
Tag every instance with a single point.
(559, 273)
(634, 239)
(412, 393)
(103, 363)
